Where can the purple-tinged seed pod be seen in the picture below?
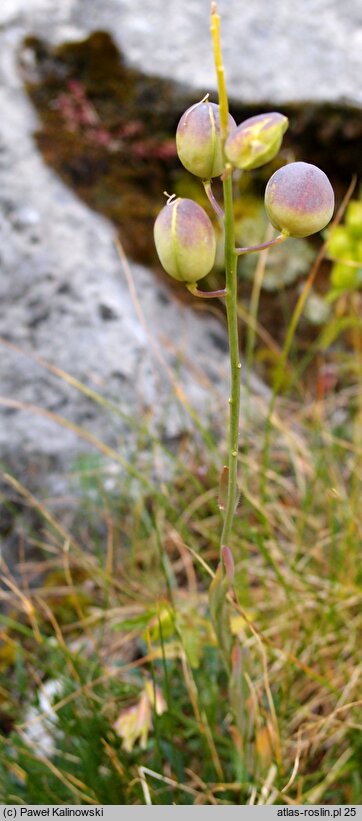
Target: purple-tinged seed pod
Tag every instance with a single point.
(299, 199)
(198, 140)
(256, 141)
(185, 240)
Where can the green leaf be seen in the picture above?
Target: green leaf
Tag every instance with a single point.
(334, 329)
(220, 615)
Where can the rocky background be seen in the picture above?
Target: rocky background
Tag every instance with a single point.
(64, 293)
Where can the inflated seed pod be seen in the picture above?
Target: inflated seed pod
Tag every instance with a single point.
(340, 243)
(354, 218)
(198, 140)
(256, 141)
(185, 240)
(299, 199)
(344, 277)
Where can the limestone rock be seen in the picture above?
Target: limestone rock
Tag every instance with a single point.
(274, 51)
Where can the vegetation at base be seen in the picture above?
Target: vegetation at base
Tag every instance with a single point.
(112, 621)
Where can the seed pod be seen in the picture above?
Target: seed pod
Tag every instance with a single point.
(299, 199)
(198, 140)
(185, 240)
(256, 141)
(340, 244)
(354, 219)
(344, 277)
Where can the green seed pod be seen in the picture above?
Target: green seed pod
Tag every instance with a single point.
(185, 240)
(256, 141)
(198, 140)
(354, 218)
(344, 277)
(340, 244)
(299, 199)
(358, 251)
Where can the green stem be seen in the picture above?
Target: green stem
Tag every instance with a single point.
(206, 294)
(220, 72)
(231, 290)
(235, 366)
(212, 200)
(263, 246)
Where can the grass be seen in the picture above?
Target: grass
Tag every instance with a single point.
(115, 611)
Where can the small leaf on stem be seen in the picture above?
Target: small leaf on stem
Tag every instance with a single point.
(223, 487)
(236, 658)
(228, 560)
(220, 615)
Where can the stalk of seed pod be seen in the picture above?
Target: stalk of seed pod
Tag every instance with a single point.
(185, 240)
(256, 141)
(299, 199)
(198, 140)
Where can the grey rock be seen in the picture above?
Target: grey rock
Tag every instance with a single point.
(274, 51)
(64, 298)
